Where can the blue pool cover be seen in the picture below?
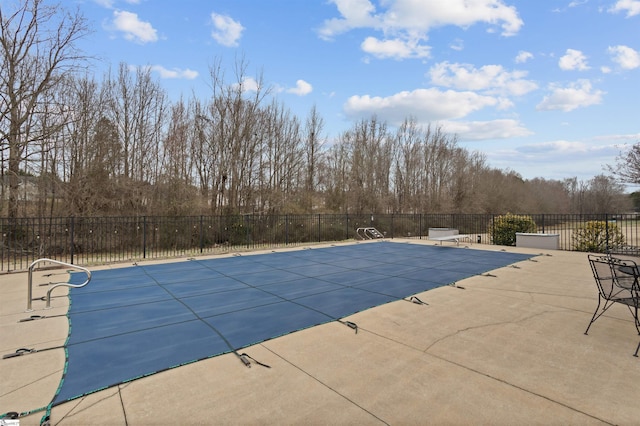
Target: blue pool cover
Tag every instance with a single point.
(136, 321)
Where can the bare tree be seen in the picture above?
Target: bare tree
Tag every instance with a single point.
(409, 172)
(137, 106)
(576, 193)
(547, 196)
(37, 48)
(282, 159)
(232, 117)
(467, 167)
(627, 167)
(336, 177)
(605, 195)
(89, 152)
(43, 159)
(313, 146)
(369, 145)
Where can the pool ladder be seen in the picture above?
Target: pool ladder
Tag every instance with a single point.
(57, 262)
(369, 233)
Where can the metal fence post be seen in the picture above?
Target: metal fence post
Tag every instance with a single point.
(346, 237)
(606, 233)
(71, 229)
(246, 230)
(392, 230)
(144, 237)
(201, 234)
(286, 229)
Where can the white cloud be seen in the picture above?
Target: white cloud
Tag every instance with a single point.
(576, 95)
(395, 48)
(302, 88)
(457, 44)
(175, 72)
(249, 84)
(626, 57)
(412, 18)
(560, 146)
(486, 130)
(566, 158)
(133, 28)
(573, 60)
(226, 31)
(104, 3)
(425, 105)
(489, 78)
(523, 56)
(572, 4)
(355, 14)
(629, 137)
(555, 159)
(632, 7)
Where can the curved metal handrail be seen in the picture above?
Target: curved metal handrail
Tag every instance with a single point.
(367, 233)
(363, 237)
(57, 262)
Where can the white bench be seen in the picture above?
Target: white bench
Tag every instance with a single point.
(453, 238)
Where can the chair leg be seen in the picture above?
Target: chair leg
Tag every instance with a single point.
(595, 315)
(637, 349)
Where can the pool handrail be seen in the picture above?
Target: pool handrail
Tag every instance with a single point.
(57, 262)
(369, 233)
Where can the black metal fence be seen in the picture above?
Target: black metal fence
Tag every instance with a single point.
(99, 240)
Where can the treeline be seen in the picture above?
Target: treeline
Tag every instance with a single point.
(120, 146)
(73, 144)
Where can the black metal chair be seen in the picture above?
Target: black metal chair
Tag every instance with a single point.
(618, 282)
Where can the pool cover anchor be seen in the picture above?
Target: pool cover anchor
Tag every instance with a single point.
(33, 318)
(19, 352)
(351, 325)
(416, 300)
(243, 356)
(27, 351)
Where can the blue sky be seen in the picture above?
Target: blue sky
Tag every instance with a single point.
(546, 88)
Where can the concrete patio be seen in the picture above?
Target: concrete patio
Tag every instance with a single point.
(499, 349)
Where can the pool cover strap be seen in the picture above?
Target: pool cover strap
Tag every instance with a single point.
(417, 301)
(351, 325)
(26, 351)
(245, 355)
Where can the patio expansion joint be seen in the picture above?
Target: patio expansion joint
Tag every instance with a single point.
(57, 372)
(523, 389)
(508, 293)
(494, 324)
(498, 379)
(448, 360)
(341, 395)
(115, 392)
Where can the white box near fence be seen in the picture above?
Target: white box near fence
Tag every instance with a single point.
(442, 232)
(541, 241)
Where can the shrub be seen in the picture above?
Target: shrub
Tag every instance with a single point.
(592, 236)
(503, 228)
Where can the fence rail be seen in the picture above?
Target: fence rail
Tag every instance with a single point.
(99, 240)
